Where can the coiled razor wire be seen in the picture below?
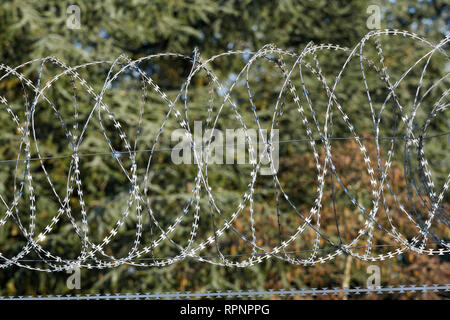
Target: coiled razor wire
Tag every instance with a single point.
(242, 294)
(139, 194)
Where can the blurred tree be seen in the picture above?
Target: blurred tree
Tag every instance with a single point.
(30, 29)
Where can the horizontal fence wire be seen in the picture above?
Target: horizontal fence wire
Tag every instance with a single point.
(296, 252)
(116, 152)
(244, 294)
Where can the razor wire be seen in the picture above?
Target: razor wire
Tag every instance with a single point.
(242, 294)
(139, 195)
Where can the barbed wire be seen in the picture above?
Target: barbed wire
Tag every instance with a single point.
(243, 294)
(139, 197)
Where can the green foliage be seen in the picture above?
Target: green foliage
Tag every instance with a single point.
(31, 29)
